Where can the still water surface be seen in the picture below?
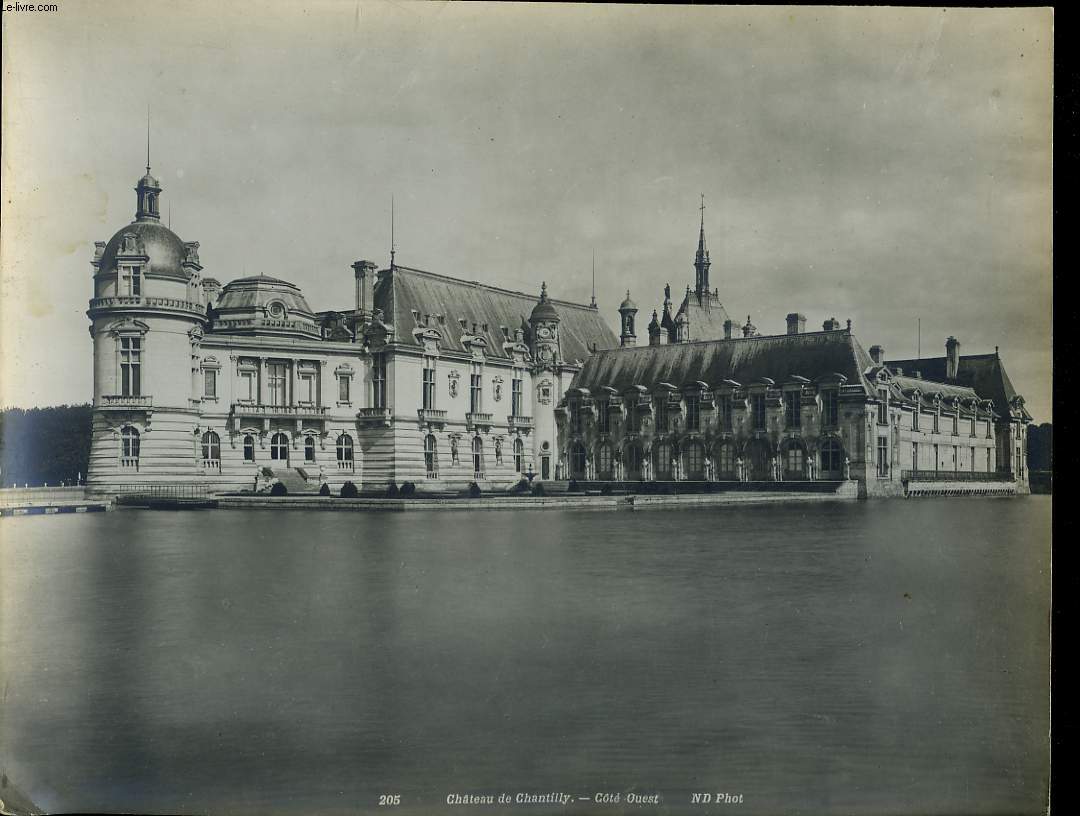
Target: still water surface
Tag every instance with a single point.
(870, 657)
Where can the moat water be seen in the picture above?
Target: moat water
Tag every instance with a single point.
(871, 657)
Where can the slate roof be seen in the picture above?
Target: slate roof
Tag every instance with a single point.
(400, 290)
(982, 372)
(706, 316)
(744, 360)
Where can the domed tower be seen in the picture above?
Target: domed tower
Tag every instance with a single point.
(147, 318)
(544, 322)
(627, 313)
(548, 381)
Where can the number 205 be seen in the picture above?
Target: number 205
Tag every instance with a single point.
(388, 800)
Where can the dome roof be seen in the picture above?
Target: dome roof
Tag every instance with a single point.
(159, 243)
(543, 310)
(259, 292)
(627, 304)
(149, 181)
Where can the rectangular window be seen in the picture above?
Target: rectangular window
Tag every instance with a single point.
(603, 419)
(914, 455)
(246, 390)
(830, 408)
(633, 415)
(131, 366)
(210, 382)
(693, 412)
(955, 424)
(757, 411)
(130, 281)
(515, 397)
(971, 428)
(937, 423)
(476, 393)
(988, 460)
(955, 458)
(883, 407)
(973, 460)
(306, 386)
(428, 386)
(378, 381)
(661, 414)
(276, 384)
(793, 409)
(883, 456)
(988, 434)
(343, 388)
(915, 419)
(725, 413)
(937, 458)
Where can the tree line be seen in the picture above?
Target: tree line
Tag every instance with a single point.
(41, 446)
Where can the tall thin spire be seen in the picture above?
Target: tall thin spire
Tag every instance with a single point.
(148, 137)
(593, 301)
(393, 247)
(701, 258)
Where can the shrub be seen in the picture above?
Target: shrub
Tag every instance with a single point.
(324, 489)
(538, 489)
(474, 490)
(392, 491)
(349, 491)
(408, 489)
(279, 489)
(521, 487)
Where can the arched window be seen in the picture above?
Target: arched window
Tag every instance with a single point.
(249, 448)
(344, 452)
(431, 457)
(129, 447)
(662, 461)
(309, 449)
(577, 461)
(211, 450)
(478, 457)
(151, 202)
(794, 461)
(519, 456)
(635, 456)
(695, 461)
(832, 459)
(279, 448)
(725, 462)
(603, 461)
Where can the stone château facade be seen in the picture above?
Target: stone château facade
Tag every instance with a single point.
(443, 382)
(427, 378)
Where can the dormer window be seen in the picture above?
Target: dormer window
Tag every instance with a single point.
(130, 281)
(276, 310)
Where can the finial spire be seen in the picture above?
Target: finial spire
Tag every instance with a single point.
(147, 137)
(701, 258)
(593, 301)
(543, 291)
(393, 247)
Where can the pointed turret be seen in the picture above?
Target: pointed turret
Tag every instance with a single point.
(701, 259)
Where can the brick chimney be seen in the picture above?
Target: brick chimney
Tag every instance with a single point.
(796, 323)
(877, 354)
(729, 325)
(832, 324)
(952, 358)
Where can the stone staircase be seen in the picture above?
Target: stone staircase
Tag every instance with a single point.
(298, 480)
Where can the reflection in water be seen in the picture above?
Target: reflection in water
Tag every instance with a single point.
(836, 659)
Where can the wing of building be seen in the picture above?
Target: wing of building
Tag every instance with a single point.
(425, 378)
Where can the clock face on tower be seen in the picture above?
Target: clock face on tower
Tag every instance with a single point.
(544, 333)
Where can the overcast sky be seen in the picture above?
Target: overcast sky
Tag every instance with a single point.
(882, 165)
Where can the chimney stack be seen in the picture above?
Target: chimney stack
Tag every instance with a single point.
(877, 354)
(952, 358)
(832, 324)
(796, 323)
(729, 325)
(365, 288)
